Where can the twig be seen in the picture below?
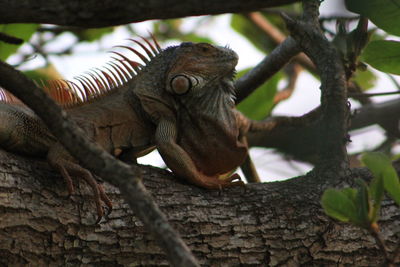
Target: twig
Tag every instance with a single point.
(264, 70)
(374, 231)
(373, 94)
(395, 82)
(354, 88)
(377, 113)
(270, 30)
(293, 74)
(250, 171)
(95, 159)
(10, 39)
(278, 37)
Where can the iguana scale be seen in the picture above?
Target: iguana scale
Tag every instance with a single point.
(181, 101)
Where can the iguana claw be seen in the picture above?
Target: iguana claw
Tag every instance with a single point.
(216, 183)
(100, 209)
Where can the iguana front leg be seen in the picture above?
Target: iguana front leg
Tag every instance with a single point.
(180, 162)
(64, 163)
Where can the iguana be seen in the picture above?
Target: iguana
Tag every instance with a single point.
(181, 101)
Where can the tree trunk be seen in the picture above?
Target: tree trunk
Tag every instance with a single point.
(269, 224)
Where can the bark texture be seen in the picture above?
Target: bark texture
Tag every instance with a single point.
(92, 13)
(271, 224)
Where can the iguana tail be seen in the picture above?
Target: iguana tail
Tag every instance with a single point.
(22, 132)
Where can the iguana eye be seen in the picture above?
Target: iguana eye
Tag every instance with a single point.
(181, 84)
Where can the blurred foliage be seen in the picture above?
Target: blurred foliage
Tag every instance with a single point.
(366, 79)
(259, 104)
(383, 55)
(381, 167)
(82, 35)
(383, 13)
(91, 35)
(255, 35)
(360, 206)
(22, 31)
(171, 29)
(242, 25)
(46, 73)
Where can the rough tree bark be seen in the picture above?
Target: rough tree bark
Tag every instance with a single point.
(270, 224)
(91, 13)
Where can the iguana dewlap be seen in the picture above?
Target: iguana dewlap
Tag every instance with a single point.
(181, 101)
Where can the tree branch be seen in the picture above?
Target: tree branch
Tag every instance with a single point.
(293, 71)
(294, 136)
(10, 39)
(332, 129)
(92, 157)
(266, 224)
(264, 70)
(278, 37)
(385, 114)
(91, 13)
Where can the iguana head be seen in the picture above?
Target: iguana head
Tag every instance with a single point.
(199, 79)
(190, 77)
(194, 66)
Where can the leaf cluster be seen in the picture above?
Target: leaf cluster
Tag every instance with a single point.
(360, 206)
(385, 14)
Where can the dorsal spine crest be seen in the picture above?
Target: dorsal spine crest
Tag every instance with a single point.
(97, 82)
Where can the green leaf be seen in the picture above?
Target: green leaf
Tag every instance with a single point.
(46, 73)
(191, 37)
(366, 79)
(383, 55)
(22, 31)
(91, 35)
(339, 205)
(260, 103)
(392, 184)
(383, 13)
(376, 190)
(171, 29)
(380, 165)
(351, 193)
(362, 205)
(377, 162)
(254, 34)
(244, 27)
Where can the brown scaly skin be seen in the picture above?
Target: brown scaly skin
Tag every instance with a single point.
(181, 102)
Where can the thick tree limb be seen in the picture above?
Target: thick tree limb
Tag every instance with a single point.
(332, 129)
(320, 136)
(99, 162)
(92, 13)
(294, 136)
(270, 224)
